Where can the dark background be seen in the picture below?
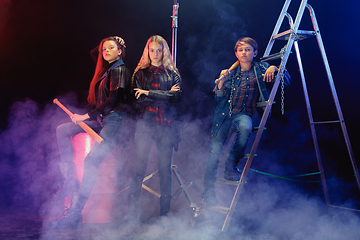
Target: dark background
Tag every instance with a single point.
(45, 53)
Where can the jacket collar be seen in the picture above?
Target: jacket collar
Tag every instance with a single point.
(238, 69)
(116, 64)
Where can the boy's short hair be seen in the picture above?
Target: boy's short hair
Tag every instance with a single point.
(247, 40)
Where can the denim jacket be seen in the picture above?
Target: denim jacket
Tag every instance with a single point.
(222, 96)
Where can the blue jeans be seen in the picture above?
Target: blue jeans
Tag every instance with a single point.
(109, 128)
(242, 124)
(148, 129)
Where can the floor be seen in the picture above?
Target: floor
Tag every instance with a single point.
(265, 212)
(18, 224)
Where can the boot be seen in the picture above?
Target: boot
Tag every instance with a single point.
(209, 196)
(72, 218)
(231, 173)
(165, 201)
(69, 186)
(133, 203)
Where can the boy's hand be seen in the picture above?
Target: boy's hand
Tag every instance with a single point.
(175, 88)
(270, 73)
(223, 75)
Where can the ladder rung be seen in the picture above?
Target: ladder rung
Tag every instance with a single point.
(300, 35)
(219, 209)
(275, 56)
(248, 154)
(326, 122)
(254, 129)
(262, 104)
(271, 57)
(224, 181)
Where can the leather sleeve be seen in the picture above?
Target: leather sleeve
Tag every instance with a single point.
(167, 95)
(118, 78)
(157, 95)
(107, 106)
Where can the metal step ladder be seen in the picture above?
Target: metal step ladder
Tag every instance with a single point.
(292, 36)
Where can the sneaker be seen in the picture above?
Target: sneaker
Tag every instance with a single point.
(68, 187)
(210, 199)
(232, 175)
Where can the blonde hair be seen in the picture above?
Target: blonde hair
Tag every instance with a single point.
(166, 57)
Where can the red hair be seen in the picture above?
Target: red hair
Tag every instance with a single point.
(101, 67)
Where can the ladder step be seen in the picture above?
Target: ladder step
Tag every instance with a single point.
(326, 122)
(248, 154)
(262, 104)
(220, 209)
(300, 35)
(272, 57)
(254, 129)
(224, 181)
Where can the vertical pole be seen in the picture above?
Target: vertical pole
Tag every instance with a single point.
(174, 30)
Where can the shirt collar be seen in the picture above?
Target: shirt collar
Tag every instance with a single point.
(117, 63)
(156, 69)
(238, 70)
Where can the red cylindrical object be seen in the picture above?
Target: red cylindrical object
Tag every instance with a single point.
(99, 207)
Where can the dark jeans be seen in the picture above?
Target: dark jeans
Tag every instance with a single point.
(242, 123)
(148, 129)
(110, 130)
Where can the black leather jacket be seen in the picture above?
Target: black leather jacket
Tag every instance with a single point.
(111, 90)
(169, 99)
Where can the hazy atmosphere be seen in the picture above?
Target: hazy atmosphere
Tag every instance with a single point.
(45, 54)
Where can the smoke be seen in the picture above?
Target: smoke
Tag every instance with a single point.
(269, 207)
(29, 154)
(208, 47)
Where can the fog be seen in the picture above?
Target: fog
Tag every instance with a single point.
(268, 208)
(280, 205)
